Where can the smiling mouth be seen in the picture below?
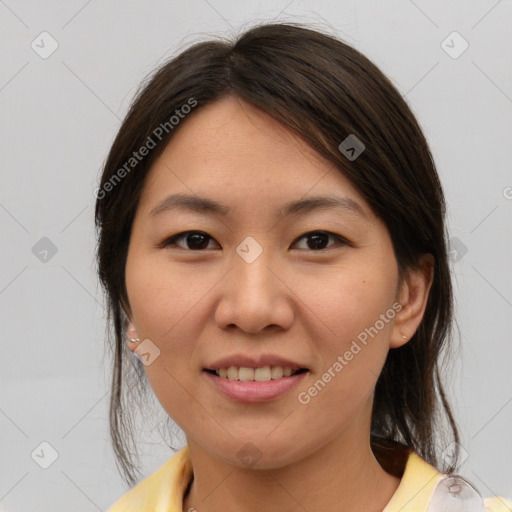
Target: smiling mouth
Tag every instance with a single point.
(261, 374)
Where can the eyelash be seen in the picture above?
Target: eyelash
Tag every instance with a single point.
(171, 241)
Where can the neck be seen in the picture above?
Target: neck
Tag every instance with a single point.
(342, 475)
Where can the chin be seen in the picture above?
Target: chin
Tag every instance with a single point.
(260, 452)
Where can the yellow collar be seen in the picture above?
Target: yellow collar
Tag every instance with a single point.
(163, 490)
(416, 486)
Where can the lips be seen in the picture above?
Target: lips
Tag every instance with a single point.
(242, 360)
(254, 379)
(252, 391)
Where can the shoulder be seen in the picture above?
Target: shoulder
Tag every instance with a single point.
(423, 488)
(160, 491)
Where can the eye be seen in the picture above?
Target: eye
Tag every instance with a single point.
(316, 240)
(198, 240)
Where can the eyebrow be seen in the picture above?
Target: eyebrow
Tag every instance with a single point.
(209, 206)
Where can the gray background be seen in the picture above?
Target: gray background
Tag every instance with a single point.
(60, 115)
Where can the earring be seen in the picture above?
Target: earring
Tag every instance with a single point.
(404, 337)
(133, 340)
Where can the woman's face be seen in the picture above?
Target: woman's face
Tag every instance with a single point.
(262, 285)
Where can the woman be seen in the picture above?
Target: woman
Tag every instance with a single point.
(272, 245)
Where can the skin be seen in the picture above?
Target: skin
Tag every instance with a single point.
(294, 300)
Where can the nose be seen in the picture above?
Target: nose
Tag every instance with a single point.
(254, 296)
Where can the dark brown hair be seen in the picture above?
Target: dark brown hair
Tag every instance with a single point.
(323, 90)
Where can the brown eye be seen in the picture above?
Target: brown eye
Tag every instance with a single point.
(318, 240)
(194, 240)
(198, 240)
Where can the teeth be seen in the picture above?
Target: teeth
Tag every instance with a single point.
(245, 373)
(262, 374)
(232, 373)
(277, 372)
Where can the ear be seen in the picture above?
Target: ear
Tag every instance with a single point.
(412, 295)
(131, 334)
(131, 331)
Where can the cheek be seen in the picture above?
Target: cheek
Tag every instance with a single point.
(351, 325)
(347, 300)
(168, 303)
(162, 301)
(352, 341)
(163, 296)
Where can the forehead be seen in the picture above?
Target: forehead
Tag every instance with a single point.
(239, 155)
